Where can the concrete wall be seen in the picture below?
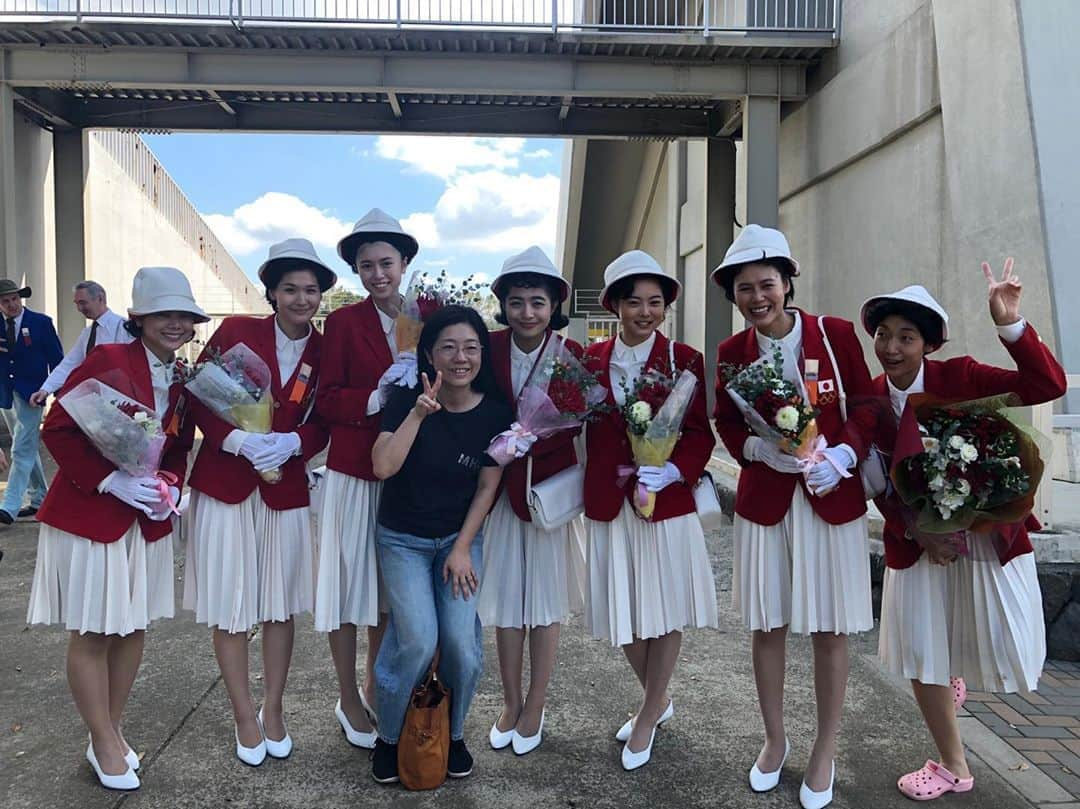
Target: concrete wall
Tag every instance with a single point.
(34, 223)
(1048, 28)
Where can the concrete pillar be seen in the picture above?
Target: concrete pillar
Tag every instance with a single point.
(761, 141)
(70, 158)
(719, 233)
(8, 203)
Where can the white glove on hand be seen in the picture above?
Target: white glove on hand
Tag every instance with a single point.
(758, 449)
(162, 511)
(255, 444)
(824, 476)
(138, 492)
(403, 373)
(279, 448)
(657, 478)
(523, 443)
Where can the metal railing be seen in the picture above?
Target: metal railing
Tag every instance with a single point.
(671, 16)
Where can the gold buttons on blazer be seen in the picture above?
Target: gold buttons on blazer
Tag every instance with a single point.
(277, 405)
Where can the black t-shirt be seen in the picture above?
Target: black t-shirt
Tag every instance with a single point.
(431, 493)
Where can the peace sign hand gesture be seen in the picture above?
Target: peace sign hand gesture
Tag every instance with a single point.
(1004, 295)
(428, 401)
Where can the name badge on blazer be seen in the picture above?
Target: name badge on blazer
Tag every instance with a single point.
(810, 376)
(300, 386)
(25, 336)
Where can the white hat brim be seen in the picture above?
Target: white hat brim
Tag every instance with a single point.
(872, 303)
(295, 259)
(507, 279)
(675, 285)
(173, 303)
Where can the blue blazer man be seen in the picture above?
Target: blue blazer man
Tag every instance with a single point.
(35, 352)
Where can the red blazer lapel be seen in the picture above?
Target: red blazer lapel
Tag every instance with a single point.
(264, 335)
(373, 333)
(603, 369)
(658, 357)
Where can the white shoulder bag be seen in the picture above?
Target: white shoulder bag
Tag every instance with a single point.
(873, 469)
(559, 499)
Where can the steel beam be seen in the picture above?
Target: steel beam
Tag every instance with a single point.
(70, 165)
(8, 232)
(761, 139)
(441, 74)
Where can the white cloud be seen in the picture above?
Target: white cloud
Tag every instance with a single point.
(539, 154)
(274, 216)
(446, 157)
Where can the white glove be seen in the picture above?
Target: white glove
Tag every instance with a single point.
(657, 478)
(402, 373)
(824, 476)
(279, 448)
(758, 449)
(254, 445)
(162, 511)
(138, 492)
(523, 443)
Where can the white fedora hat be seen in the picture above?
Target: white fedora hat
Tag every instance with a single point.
(294, 254)
(163, 289)
(532, 260)
(634, 263)
(377, 226)
(915, 294)
(754, 244)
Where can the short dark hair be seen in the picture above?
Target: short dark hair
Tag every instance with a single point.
(448, 316)
(402, 244)
(781, 265)
(272, 277)
(624, 288)
(930, 326)
(534, 280)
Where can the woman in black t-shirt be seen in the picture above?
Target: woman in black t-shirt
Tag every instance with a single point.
(440, 485)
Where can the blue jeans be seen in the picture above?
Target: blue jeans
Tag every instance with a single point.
(424, 615)
(24, 421)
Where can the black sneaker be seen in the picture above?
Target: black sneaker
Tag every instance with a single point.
(459, 762)
(6, 518)
(384, 762)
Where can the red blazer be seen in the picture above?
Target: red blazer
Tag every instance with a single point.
(550, 455)
(1039, 378)
(73, 503)
(608, 447)
(356, 356)
(764, 495)
(231, 478)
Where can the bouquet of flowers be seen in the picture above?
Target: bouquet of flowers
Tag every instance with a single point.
(235, 386)
(963, 468)
(772, 397)
(559, 395)
(125, 431)
(654, 411)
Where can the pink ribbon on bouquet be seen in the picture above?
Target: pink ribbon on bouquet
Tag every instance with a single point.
(164, 481)
(817, 455)
(626, 472)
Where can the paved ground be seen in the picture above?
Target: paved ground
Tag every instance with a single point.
(179, 722)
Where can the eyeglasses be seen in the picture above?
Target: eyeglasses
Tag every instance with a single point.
(451, 350)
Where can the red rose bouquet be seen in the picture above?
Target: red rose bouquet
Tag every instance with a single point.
(559, 395)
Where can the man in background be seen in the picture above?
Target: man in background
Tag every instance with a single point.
(106, 327)
(29, 349)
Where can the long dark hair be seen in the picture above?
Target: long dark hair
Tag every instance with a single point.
(451, 316)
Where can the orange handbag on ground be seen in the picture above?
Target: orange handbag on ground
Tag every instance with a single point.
(424, 744)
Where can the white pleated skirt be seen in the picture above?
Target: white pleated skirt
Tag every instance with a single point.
(646, 579)
(803, 573)
(109, 588)
(974, 618)
(347, 583)
(531, 577)
(246, 563)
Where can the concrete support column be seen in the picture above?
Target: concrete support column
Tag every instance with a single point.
(8, 203)
(70, 164)
(761, 140)
(719, 233)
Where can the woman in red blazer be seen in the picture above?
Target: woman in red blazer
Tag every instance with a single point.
(360, 351)
(249, 558)
(532, 578)
(976, 616)
(648, 579)
(801, 558)
(105, 551)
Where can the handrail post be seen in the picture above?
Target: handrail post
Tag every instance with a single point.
(399, 13)
(706, 14)
(554, 16)
(78, 10)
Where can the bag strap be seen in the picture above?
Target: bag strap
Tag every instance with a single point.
(836, 368)
(671, 357)
(536, 362)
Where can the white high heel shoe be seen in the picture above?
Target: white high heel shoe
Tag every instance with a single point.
(499, 739)
(818, 800)
(131, 757)
(526, 744)
(252, 756)
(631, 760)
(624, 732)
(127, 781)
(355, 737)
(276, 749)
(766, 781)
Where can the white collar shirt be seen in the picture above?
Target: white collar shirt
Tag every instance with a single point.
(521, 365)
(288, 351)
(627, 363)
(898, 398)
(161, 376)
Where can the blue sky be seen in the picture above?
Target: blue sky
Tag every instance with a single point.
(470, 202)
